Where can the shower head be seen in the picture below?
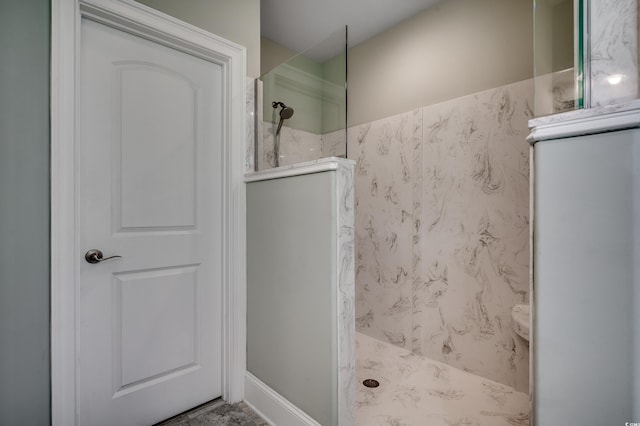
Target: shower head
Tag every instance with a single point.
(286, 112)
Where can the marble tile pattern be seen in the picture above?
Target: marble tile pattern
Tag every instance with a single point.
(383, 151)
(442, 231)
(614, 50)
(416, 390)
(345, 305)
(251, 127)
(475, 235)
(296, 146)
(334, 144)
(258, 146)
(417, 237)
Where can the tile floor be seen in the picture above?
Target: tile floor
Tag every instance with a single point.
(217, 413)
(417, 391)
(413, 391)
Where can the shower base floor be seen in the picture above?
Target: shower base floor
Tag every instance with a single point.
(417, 391)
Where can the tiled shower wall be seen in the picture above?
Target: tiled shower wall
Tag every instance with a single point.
(442, 230)
(614, 51)
(297, 146)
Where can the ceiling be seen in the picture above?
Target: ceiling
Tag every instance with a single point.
(301, 24)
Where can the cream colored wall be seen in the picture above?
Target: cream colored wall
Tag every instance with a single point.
(452, 49)
(238, 21)
(563, 35)
(273, 54)
(553, 46)
(543, 33)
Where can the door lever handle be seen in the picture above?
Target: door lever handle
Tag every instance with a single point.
(96, 256)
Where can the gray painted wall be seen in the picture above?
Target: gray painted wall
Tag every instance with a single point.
(291, 292)
(587, 237)
(24, 212)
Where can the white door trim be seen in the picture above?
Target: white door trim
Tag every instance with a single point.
(135, 18)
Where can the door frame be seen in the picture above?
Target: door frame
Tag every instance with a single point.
(137, 19)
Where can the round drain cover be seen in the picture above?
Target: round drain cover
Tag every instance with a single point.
(370, 383)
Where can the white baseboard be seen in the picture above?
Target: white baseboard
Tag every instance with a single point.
(274, 408)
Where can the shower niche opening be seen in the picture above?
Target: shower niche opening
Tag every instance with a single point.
(302, 105)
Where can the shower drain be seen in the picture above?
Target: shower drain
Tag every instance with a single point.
(370, 383)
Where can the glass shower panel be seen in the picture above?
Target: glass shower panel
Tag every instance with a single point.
(559, 65)
(304, 106)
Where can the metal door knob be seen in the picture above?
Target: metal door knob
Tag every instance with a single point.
(96, 256)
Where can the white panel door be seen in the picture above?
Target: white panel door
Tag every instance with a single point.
(150, 156)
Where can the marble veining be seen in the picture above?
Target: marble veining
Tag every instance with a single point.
(383, 151)
(296, 146)
(250, 126)
(415, 390)
(442, 254)
(417, 224)
(334, 144)
(521, 320)
(475, 240)
(346, 293)
(258, 145)
(614, 51)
